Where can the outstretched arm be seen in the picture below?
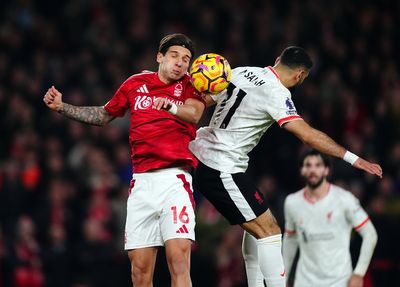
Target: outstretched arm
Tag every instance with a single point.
(323, 143)
(369, 239)
(95, 115)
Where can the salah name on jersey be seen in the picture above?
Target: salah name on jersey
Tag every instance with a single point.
(157, 138)
(253, 101)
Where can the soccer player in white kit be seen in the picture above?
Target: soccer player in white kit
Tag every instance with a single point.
(318, 220)
(254, 100)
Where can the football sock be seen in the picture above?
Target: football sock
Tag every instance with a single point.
(270, 260)
(250, 254)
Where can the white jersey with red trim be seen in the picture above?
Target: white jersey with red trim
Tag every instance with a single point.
(323, 230)
(253, 101)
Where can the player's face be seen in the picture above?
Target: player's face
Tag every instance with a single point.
(314, 171)
(174, 64)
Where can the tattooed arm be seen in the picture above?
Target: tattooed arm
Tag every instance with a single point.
(90, 115)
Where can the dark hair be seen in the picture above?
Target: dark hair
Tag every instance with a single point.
(313, 152)
(295, 57)
(176, 40)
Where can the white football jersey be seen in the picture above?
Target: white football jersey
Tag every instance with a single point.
(253, 101)
(323, 230)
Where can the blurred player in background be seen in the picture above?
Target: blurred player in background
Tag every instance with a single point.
(254, 100)
(318, 220)
(164, 108)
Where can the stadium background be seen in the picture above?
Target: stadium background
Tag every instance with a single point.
(63, 185)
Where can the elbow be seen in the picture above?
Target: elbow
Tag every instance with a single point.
(374, 238)
(196, 120)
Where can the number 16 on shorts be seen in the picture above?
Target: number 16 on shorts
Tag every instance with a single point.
(180, 217)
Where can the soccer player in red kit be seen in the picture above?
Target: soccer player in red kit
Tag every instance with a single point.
(164, 108)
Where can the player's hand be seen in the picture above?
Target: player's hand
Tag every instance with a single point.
(162, 104)
(371, 168)
(53, 99)
(355, 281)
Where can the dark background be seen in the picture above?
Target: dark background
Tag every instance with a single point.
(63, 185)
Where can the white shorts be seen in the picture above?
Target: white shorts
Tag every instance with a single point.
(160, 207)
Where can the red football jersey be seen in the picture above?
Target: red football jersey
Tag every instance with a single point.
(157, 138)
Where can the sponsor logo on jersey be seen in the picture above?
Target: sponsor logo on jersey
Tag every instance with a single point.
(182, 229)
(290, 106)
(146, 102)
(143, 89)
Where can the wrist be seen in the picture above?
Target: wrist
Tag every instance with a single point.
(350, 157)
(173, 110)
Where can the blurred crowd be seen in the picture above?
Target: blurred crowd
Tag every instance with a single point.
(63, 185)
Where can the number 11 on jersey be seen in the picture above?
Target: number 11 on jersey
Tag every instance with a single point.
(221, 109)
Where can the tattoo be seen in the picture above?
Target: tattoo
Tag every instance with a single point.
(95, 115)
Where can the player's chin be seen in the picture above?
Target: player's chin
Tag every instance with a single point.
(177, 76)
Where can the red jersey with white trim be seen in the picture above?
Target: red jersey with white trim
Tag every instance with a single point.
(253, 101)
(157, 138)
(323, 229)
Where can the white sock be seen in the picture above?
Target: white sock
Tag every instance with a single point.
(270, 260)
(250, 254)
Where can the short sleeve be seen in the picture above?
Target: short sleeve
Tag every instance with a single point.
(355, 213)
(280, 106)
(290, 224)
(118, 105)
(192, 93)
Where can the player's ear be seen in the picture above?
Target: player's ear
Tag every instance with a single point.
(327, 171)
(301, 170)
(159, 57)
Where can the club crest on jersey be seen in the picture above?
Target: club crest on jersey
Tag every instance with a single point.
(178, 90)
(329, 216)
(290, 106)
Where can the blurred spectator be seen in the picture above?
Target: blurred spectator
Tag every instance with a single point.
(62, 174)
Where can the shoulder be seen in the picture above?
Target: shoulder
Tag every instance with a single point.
(144, 75)
(136, 79)
(345, 196)
(294, 198)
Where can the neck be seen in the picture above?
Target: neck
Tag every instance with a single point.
(162, 78)
(318, 192)
(284, 75)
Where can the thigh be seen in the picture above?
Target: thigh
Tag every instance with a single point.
(178, 248)
(142, 228)
(177, 219)
(235, 196)
(143, 259)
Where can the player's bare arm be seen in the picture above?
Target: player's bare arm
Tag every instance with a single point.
(191, 111)
(323, 143)
(209, 100)
(95, 115)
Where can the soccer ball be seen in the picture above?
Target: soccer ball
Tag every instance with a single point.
(210, 73)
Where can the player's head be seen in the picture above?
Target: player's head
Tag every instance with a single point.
(174, 54)
(297, 62)
(314, 168)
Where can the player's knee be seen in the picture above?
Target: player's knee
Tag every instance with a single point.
(141, 275)
(178, 264)
(263, 226)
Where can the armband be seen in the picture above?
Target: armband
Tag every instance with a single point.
(173, 109)
(350, 157)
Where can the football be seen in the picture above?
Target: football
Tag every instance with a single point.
(210, 73)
